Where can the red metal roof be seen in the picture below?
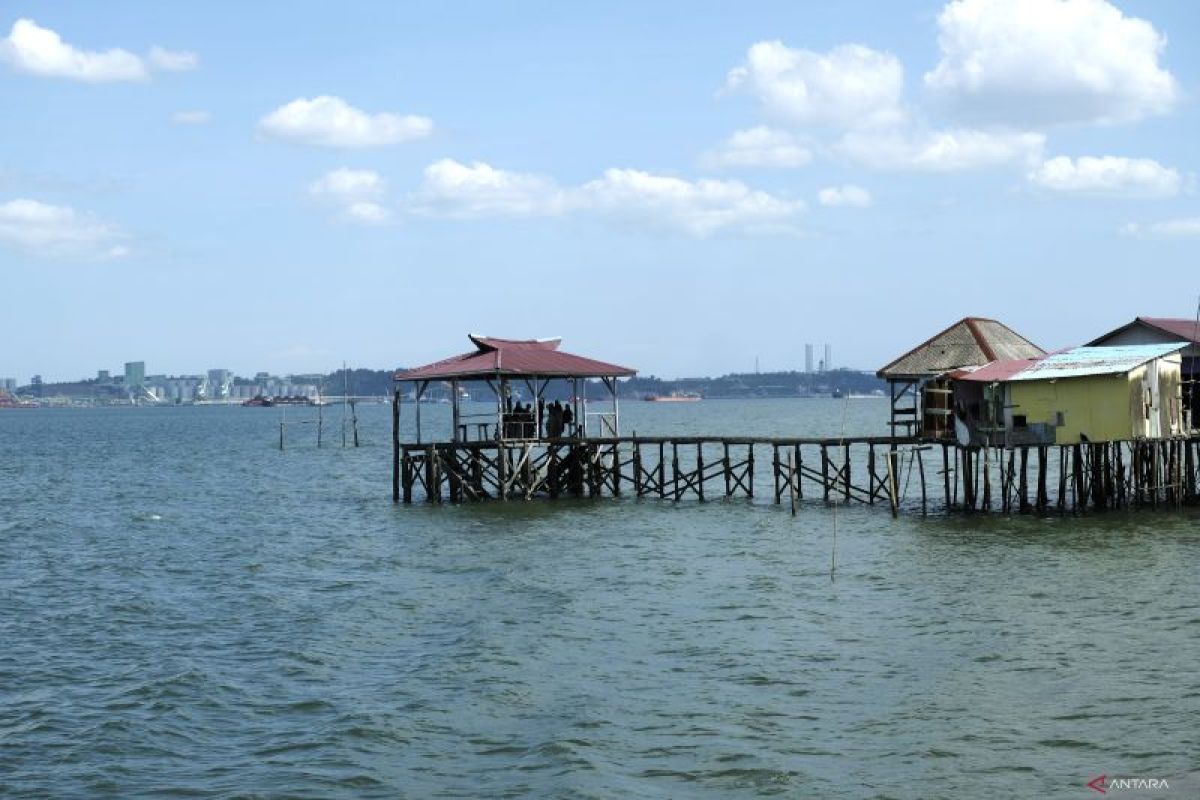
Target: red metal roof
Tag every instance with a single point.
(494, 357)
(995, 371)
(1185, 329)
(1176, 328)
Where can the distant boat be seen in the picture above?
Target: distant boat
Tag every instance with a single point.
(837, 394)
(258, 401)
(261, 401)
(673, 397)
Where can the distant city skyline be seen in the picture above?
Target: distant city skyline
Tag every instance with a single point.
(686, 188)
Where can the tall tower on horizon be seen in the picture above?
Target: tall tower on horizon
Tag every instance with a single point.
(828, 357)
(808, 358)
(135, 373)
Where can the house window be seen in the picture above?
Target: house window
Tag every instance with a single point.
(1019, 421)
(1060, 418)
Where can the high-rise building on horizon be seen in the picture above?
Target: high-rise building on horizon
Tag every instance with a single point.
(135, 373)
(808, 358)
(828, 357)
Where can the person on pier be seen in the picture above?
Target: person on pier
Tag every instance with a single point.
(568, 419)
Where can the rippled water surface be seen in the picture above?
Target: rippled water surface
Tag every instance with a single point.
(187, 611)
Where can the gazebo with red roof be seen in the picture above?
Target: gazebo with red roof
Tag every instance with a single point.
(501, 363)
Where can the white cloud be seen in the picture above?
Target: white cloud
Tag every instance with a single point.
(53, 231)
(355, 193)
(349, 184)
(759, 147)
(1034, 62)
(40, 51)
(191, 117)
(850, 86)
(846, 195)
(699, 208)
(1107, 175)
(453, 189)
(332, 122)
(940, 151)
(172, 60)
(1184, 228)
(367, 213)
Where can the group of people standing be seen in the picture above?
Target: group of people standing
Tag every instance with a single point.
(556, 419)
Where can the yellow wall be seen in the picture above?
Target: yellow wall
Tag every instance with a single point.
(1102, 407)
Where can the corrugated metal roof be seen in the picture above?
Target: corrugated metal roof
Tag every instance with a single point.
(494, 357)
(1079, 362)
(1186, 329)
(970, 342)
(1175, 327)
(995, 372)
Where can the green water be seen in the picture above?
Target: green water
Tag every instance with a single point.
(187, 611)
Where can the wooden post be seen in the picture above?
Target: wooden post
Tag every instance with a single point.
(799, 473)
(662, 470)
(501, 470)
(946, 474)
(395, 445)
(675, 470)
(1042, 499)
(700, 470)
(825, 471)
(793, 479)
(846, 451)
(750, 470)
(433, 482)
(968, 480)
(637, 468)
(406, 476)
(353, 419)
(921, 475)
(725, 467)
(871, 474)
(891, 479)
(1024, 480)
(320, 422)
(281, 435)
(987, 479)
(1078, 492)
(776, 474)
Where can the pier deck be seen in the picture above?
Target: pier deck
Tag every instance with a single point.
(909, 474)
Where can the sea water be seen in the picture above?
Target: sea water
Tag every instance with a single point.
(187, 611)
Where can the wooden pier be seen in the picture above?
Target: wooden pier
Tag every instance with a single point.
(901, 474)
(531, 445)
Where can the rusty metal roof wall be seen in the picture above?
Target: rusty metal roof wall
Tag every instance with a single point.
(508, 357)
(1186, 329)
(970, 342)
(995, 372)
(1175, 327)
(1079, 362)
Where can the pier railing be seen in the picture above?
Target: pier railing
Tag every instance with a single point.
(900, 473)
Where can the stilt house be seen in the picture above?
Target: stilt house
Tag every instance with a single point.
(1164, 330)
(1086, 394)
(919, 391)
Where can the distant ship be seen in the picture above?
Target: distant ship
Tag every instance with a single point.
(8, 401)
(261, 401)
(673, 397)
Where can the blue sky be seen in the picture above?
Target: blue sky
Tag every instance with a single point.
(681, 187)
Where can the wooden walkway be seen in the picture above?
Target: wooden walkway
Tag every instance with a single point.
(900, 473)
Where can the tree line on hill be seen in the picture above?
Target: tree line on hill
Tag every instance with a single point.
(369, 382)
